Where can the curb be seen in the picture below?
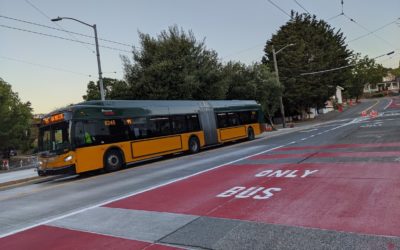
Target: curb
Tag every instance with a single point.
(21, 182)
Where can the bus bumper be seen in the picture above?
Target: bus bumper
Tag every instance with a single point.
(56, 171)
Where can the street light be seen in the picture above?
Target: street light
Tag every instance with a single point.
(97, 50)
(277, 79)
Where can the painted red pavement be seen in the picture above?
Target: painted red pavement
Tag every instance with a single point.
(356, 197)
(340, 146)
(329, 155)
(48, 237)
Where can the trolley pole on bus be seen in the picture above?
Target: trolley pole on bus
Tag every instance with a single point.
(279, 83)
(97, 50)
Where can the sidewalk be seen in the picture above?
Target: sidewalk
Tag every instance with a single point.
(8, 178)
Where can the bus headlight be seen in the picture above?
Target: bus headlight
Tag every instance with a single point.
(68, 158)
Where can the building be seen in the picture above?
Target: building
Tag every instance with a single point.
(389, 83)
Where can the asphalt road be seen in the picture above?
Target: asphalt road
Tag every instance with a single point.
(332, 184)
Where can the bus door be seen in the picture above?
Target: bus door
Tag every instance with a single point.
(209, 125)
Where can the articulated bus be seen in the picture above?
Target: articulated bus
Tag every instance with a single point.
(111, 134)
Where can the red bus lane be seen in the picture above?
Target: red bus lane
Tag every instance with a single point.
(361, 197)
(48, 237)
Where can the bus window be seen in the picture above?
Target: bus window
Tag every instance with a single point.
(178, 124)
(138, 128)
(117, 131)
(233, 119)
(99, 132)
(222, 120)
(245, 117)
(193, 123)
(254, 117)
(159, 126)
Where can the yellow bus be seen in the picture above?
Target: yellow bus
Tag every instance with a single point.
(113, 133)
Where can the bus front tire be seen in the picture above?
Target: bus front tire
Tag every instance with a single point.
(112, 161)
(250, 134)
(194, 145)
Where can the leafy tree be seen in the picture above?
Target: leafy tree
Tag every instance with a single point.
(365, 71)
(15, 117)
(395, 72)
(113, 88)
(254, 82)
(317, 46)
(174, 65)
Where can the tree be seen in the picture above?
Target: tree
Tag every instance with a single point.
(174, 65)
(255, 82)
(317, 47)
(365, 71)
(113, 88)
(15, 117)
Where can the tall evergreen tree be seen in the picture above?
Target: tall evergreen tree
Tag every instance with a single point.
(174, 65)
(317, 46)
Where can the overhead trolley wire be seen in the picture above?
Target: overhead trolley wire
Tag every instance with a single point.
(301, 6)
(60, 37)
(49, 18)
(373, 31)
(44, 66)
(63, 30)
(279, 8)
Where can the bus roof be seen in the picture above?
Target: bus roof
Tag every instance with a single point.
(153, 107)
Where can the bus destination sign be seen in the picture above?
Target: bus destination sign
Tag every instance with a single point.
(53, 119)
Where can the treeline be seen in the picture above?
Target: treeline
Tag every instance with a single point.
(175, 65)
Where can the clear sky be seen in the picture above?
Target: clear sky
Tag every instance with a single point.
(51, 72)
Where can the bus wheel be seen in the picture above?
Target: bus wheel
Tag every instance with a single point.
(194, 145)
(250, 134)
(112, 161)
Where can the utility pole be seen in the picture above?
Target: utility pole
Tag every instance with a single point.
(279, 83)
(102, 95)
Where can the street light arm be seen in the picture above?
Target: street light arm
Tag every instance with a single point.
(291, 44)
(79, 21)
(102, 94)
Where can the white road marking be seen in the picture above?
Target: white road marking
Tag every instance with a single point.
(365, 110)
(310, 130)
(387, 106)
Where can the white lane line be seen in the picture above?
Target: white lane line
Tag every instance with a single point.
(303, 139)
(387, 106)
(373, 105)
(152, 188)
(310, 130)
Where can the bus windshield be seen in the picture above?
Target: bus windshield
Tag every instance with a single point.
(54, 138)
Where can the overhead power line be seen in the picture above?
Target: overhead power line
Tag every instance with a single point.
(44, 66)
(63, 30)
(343, 67)
(60, 37)
(301, 6)
(360, 25)
(279, 8)
(49, 18)
(373, 31)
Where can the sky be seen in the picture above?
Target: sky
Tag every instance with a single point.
(51, 72)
